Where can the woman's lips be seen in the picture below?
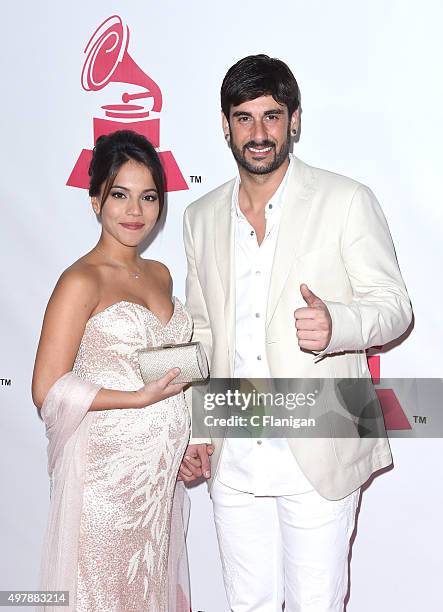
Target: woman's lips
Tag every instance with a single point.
(132, 226)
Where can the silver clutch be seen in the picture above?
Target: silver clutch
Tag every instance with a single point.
(190, 357)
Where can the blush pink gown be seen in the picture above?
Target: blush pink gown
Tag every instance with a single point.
(121, 475)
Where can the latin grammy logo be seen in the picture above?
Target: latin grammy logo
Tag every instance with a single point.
(108, 61)
(393, 413)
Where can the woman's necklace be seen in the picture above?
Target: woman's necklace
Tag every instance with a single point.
(135, 275)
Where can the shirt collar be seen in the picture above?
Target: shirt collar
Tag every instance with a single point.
(276, 201)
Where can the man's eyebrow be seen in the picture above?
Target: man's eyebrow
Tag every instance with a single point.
(273, 111)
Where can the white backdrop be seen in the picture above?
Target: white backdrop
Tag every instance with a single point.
(370, 77)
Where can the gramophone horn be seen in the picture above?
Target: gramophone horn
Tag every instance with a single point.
(108, 60)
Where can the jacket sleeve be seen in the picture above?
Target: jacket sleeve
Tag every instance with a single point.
(380, 310)
(195, 303)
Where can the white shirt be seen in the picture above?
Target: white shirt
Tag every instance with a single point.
(263, 466)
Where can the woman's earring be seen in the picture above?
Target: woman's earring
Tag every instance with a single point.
(294, 131)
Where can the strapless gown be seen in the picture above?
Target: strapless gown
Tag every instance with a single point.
(133, 457)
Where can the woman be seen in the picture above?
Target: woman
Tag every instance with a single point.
(115, 446)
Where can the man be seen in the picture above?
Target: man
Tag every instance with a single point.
(291, 274)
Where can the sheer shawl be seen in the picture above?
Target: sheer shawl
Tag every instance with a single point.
(63, 412)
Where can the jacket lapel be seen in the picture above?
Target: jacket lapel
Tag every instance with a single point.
(296, 206)
(224, 254)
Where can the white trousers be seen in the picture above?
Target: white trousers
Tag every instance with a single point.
(291, 549)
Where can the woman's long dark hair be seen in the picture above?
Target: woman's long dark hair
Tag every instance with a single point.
(114, 150)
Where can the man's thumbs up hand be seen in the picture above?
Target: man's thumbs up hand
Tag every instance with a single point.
(309, 296)
(313, 322)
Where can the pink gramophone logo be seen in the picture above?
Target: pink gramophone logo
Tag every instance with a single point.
(394, 415)
(108, 61)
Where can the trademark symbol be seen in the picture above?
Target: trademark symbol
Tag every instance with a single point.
(5, 382)
(419, 419)
(195, 178)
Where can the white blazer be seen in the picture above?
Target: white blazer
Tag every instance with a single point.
(333, 236)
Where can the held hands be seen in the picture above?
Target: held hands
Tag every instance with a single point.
(313, 323)
(196, 462)
(159, 390)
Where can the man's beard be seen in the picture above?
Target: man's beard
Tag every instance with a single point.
(279, 157)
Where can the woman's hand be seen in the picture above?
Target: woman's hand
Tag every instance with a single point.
(196, 462)
(159, 390)
(156, 391)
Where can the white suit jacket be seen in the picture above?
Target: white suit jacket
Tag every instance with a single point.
(333, 236)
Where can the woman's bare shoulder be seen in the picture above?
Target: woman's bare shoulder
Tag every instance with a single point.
(81, 274)
(159, 271)
(80, 283)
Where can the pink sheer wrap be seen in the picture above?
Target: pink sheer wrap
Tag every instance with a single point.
(63, 412)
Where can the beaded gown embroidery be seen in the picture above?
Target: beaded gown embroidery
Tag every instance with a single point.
(132, 461)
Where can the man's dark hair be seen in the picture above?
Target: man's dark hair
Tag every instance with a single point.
(259, 75)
